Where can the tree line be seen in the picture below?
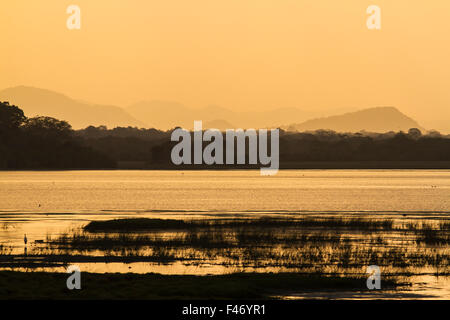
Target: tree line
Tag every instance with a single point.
(48, 143)
(43, 143)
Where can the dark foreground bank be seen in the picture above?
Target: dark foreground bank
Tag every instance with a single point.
(40, 285)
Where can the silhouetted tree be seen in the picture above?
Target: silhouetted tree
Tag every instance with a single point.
(43, 143)
(10, 116)
(47, 127)
(414, 133)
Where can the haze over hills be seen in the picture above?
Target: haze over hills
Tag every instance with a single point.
(378, 119)
(218, 124)
(167, 115)
(35, 101)
(148, 114)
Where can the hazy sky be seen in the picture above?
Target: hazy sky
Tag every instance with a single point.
(240, 54)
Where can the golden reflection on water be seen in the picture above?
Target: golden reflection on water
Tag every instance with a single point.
(46, 204)
(424, 287)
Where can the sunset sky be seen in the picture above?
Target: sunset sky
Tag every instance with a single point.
(239, 54)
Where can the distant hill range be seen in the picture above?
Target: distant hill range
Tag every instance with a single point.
(34, 102)
(166, 115)
(218, 124)
(379, 119)
(148, 114)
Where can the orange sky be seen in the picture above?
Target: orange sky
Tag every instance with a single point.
(240, 54)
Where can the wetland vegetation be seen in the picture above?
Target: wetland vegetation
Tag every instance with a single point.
(330, 245)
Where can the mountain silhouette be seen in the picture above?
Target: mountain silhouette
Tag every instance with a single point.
(167, 115)
(219, 124)
(163, 114)
(35, 101)
(378, 119)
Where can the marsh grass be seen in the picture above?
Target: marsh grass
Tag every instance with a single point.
(329, 244)
(332, 244)
(5, 250)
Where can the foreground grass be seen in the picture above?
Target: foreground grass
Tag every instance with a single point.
(297, 244)
(41, 285)
(323, 244)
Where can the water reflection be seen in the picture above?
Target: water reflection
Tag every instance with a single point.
(70, 200)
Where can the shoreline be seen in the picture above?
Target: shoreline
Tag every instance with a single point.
(313, 165)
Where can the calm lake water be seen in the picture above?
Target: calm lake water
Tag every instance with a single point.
(50, 202)
(294, 190)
